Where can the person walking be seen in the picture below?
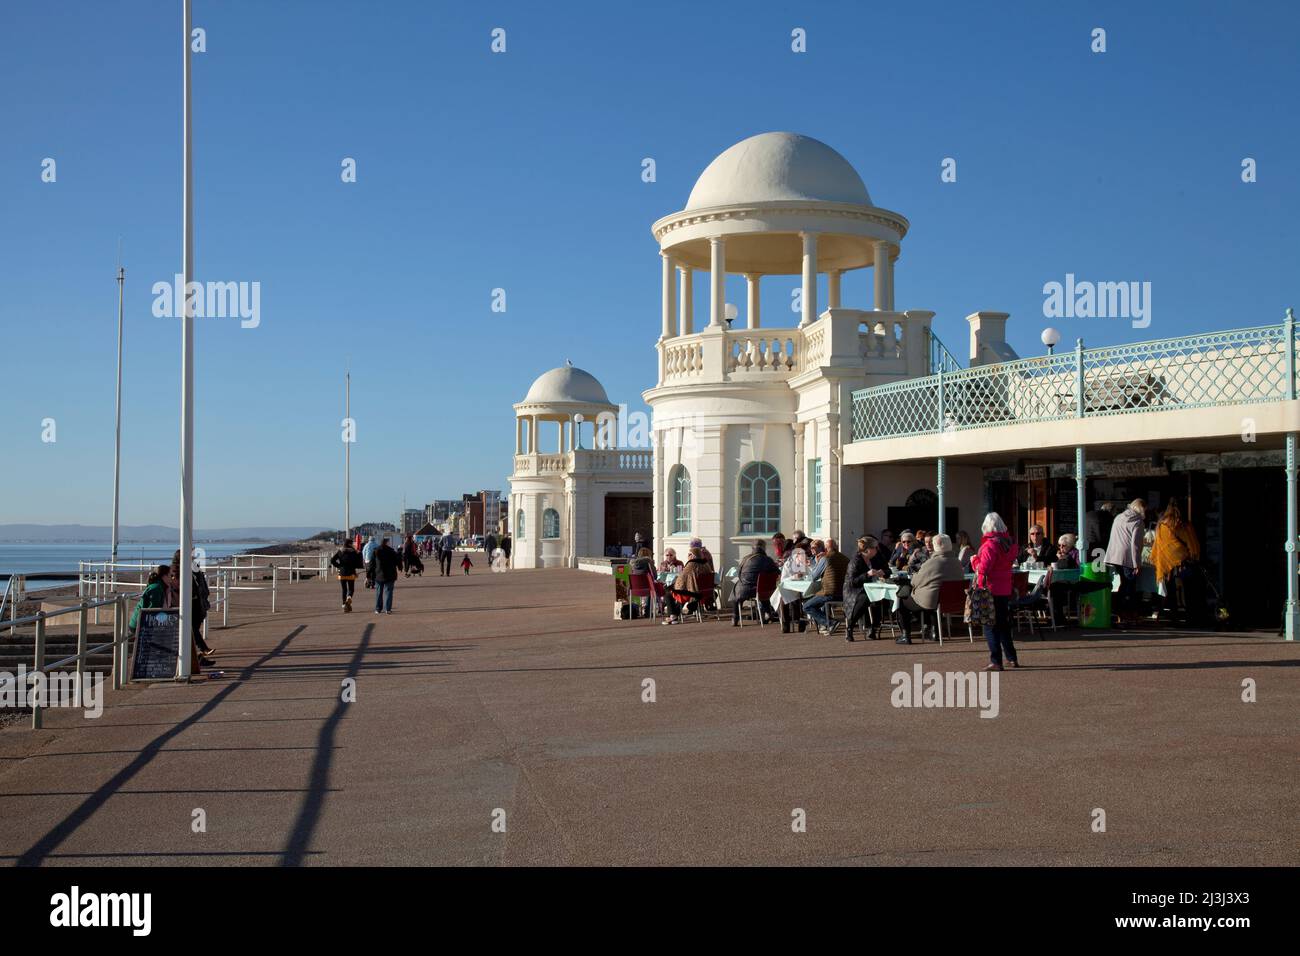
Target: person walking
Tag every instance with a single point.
(992, 566)
(383, 567)
(446, 550)
(367, 553)
(347, 562)
(1174, 554)
(1124, 557)
(466, 563)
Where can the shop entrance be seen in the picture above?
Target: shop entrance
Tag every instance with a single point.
(625, 515)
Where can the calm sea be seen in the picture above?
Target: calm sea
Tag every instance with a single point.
(27, 558)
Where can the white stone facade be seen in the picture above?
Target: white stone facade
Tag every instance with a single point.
(734, 398)
(558, 489)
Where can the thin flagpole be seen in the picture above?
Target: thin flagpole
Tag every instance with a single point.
(347, 457)
(187, 383)
(117, 430)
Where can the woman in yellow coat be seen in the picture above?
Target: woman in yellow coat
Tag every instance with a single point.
(1175, 545)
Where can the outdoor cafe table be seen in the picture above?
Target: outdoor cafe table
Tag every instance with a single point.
(882, 591)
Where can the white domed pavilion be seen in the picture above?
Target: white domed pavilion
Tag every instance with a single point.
(568, 501)
(750, 420)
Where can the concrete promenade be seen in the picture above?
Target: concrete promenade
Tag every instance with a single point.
(519, 692)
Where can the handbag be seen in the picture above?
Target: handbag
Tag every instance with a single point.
(979, 606)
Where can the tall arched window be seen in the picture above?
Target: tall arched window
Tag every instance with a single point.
(680, 482)
(519, 525)
(550, 523)
(760, 499)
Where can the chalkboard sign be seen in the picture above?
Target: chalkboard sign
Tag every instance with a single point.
(1067, 507)
(157, 640)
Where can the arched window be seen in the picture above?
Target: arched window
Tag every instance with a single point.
(680, 482)
(550, 523)
(760, 499)
(519, 525)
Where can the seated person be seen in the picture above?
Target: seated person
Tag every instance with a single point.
(685, 591)
(644, 563)
(1037, 552)
(670, 564)
(920, 554)
(925, 584)
(747, 583)
(834, 566)
(796, 567)
(704, 552)
(1067, 555)
(903, 551)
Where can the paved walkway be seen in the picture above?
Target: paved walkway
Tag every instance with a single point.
(519, 693)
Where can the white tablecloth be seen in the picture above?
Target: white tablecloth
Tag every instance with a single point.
(882, 591)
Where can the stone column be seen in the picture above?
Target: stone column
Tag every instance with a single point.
(809, 278)
(751, 311)
(669, 295)
(686, 313)
(532, 434)
(833, 288)
(880, 277)
(889, 283)
(519, 436)
(717, 281)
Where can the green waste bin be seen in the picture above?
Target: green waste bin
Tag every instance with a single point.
(1094, 606)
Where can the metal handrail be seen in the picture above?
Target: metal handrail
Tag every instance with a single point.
(121, 637)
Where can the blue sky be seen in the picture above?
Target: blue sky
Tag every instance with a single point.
(522, 171)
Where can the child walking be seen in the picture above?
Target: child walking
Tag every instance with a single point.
(466, 563)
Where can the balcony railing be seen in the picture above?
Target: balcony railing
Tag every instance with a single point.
(1217, 368)
(586, 461)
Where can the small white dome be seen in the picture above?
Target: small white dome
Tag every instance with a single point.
(567, 384)
(775, 167)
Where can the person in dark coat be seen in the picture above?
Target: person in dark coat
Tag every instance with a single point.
(347, 561)
(747, 584)
(1097, 524)
(446, 549)
(860, 570)
(199, 605)
(384, 567)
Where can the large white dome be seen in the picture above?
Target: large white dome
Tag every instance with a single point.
(776, 167)
(567, 384)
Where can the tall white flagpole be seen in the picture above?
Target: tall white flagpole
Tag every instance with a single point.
(117, 430)
(347, 457)
(187, 387)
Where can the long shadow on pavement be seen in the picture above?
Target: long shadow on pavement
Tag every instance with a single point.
(47, 844)
(309, 813)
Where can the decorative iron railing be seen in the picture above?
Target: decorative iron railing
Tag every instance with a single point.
(1217, 368)
(941, 360)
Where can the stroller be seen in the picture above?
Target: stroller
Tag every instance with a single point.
(412, 564)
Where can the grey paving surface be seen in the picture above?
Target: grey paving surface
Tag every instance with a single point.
(520, 692)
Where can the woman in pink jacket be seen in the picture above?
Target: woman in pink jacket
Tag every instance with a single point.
(992, 567)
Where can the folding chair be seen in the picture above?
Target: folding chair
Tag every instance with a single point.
(952, 603)
(641, 587)
(835, 614)
(766, 586)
